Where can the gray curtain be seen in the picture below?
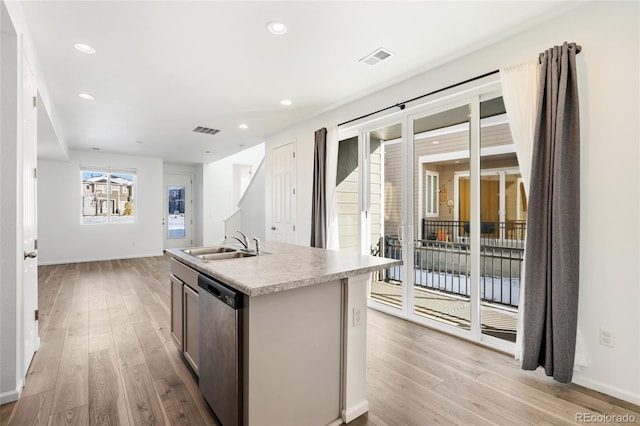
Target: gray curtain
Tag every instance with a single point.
(319, 196)
(553, 221)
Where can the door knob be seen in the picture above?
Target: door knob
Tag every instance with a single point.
(273, 228)
(30, 255)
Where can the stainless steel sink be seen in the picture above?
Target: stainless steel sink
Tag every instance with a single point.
(209, 250)
(209, 254)
(221, 256)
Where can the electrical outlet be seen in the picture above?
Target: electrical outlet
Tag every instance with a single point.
(357, 317)
(607, 338)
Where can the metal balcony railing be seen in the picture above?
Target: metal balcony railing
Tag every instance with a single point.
(500, 234)
(443, 265)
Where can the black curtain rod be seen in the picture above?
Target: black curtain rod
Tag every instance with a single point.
(401, 105)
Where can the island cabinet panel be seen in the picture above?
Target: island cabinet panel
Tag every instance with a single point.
(292, 355)
(176, 310)
(188, 275)
(184, 311)
(191, 342)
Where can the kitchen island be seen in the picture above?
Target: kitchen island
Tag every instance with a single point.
(303, 331)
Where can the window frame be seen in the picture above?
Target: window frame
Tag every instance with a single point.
(434, 195)
(108, 193)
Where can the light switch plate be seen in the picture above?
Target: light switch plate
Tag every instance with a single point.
(607, 338)
(357, 317)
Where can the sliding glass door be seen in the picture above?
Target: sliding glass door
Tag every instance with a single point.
(503, 214)
(440, 188)
(442, 250)
(384, 201)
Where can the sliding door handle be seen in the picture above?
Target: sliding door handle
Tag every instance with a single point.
(30, 255)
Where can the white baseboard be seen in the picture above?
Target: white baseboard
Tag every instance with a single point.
(97, 259)
(607, 389)
(355, 411)
(12, 395)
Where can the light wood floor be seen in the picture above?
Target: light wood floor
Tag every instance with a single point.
(106, 357)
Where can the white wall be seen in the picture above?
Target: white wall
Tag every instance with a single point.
(195, 171)
(249, 216)
(252, 206)
(608, 70)
(198, 220)
(218, 191)
(61, 236)
(10, 213)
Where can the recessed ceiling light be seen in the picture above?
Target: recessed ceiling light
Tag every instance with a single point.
(243, 126)
(277, 28)
(87, 96)
(435, 142)
(207, 152)
(285, 102)
(84, 48)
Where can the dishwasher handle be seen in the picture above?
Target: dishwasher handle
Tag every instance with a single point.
(220, 291)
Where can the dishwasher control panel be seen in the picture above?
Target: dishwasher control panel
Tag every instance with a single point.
(220, 291)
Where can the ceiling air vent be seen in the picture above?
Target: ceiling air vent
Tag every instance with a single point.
(206, 130)
(376, 56)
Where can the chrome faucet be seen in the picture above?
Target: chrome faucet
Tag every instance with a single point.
(245, 240)
(245, 245)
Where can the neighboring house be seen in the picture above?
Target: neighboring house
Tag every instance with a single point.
(103, 194)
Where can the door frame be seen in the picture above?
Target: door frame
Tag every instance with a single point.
(188, 208)
(270, 225)
(30, 335)
(502, 172)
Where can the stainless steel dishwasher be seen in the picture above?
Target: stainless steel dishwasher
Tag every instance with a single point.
(220, 309)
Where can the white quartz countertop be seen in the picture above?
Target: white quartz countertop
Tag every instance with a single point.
(285, 267)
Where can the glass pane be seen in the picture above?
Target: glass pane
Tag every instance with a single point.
(347, 185)
(503, 223)
(121, 205)
(175, 213)
(94, 197)
(441, 264)
(385, 211)
(429, 194)
(375, 195)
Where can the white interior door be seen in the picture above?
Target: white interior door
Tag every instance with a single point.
(30, 266)
(178, 220)
(283, 205)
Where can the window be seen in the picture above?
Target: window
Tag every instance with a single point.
(107, 196)
(176, 213)
(432, 191)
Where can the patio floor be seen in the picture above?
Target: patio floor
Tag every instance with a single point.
(450, 309)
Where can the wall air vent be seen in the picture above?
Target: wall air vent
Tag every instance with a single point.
(376, 56)
(206, 130)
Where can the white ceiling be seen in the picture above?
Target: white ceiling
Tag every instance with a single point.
(163, 68)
